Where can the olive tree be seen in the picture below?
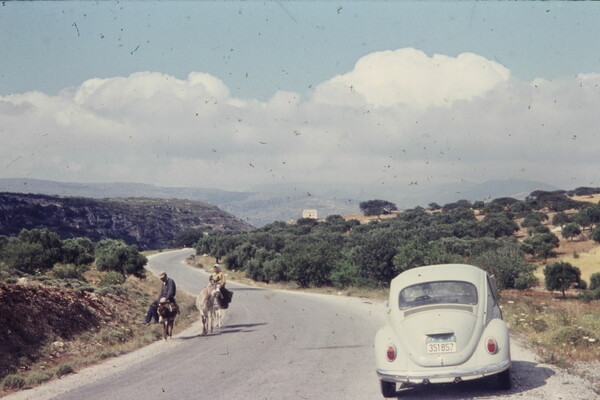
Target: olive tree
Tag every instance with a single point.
(78, 251)
(115, 255)
(588, 216)
(377, 207)
(571, 230)
(509, 267)
(561, 275)
(561, 219)
(541, 245)
(33, 250)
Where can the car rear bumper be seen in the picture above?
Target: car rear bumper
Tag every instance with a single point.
(442, 375)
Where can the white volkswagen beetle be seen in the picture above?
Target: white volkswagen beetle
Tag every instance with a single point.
(444, 324)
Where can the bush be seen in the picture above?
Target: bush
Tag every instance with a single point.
(112, 278)
(508, 266)
(115, 255)
(120, 335)
(569, 335)
(525, 281)
(539, 325)
(582, 284)
(68, 271)
(78, 251)
(595, 281)
(64, 369)
(344, 274)
(595, 234)
(114, 290)
(38, 377)
(589, 295)
(32, 250)
(188, 238)
(13, 382)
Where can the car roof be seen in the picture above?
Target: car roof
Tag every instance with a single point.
(440, 272)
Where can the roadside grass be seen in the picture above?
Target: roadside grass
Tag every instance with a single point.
(562, 331)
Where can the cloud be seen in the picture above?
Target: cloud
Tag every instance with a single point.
(409, 77)
(398, 118)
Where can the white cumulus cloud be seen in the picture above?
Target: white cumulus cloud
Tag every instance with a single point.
(409, 77)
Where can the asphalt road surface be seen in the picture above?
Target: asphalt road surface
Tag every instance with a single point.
(279, 345)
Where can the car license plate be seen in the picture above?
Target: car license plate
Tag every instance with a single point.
(441, 347)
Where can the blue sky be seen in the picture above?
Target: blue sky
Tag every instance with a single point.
(258, 47)
(303, 92)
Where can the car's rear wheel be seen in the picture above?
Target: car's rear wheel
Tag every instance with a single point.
(503, 380)
(388, 389)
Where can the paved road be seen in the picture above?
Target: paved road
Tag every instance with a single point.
(273, 345)
(279, 345)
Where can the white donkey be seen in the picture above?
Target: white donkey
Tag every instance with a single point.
(205, 302)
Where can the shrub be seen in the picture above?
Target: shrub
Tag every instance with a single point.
(115, 290)
(344, 274)
(117, 336)
(115, 255)
(525, 281)
(595, 234)
(539, 325)
(38, 377)
(78, 251)
(589, 295)
(569, 335)
(106, 353)
(32, 250)
(68, 271)
(508, 266)
(13, 382)
(582, 284)
(595, 281)
(112, 278)
(64, 369)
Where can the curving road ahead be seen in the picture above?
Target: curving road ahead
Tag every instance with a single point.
(276, 345)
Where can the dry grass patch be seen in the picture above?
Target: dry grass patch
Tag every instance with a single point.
(588, 262)
(562, 331)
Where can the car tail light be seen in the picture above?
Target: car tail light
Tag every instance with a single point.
(491, 346)
(390, 353)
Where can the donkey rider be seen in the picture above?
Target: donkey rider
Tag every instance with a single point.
(219, 277)
(166, 293)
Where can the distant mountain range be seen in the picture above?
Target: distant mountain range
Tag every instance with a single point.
(285, 202)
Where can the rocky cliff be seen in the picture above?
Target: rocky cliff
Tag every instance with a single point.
(147, 223)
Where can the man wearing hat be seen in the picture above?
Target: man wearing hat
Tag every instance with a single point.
(166, 293)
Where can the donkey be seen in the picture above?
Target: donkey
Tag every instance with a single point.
(205, 302)
(217, 312)
(167, 311)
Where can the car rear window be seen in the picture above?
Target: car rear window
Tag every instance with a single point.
(439, 292)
